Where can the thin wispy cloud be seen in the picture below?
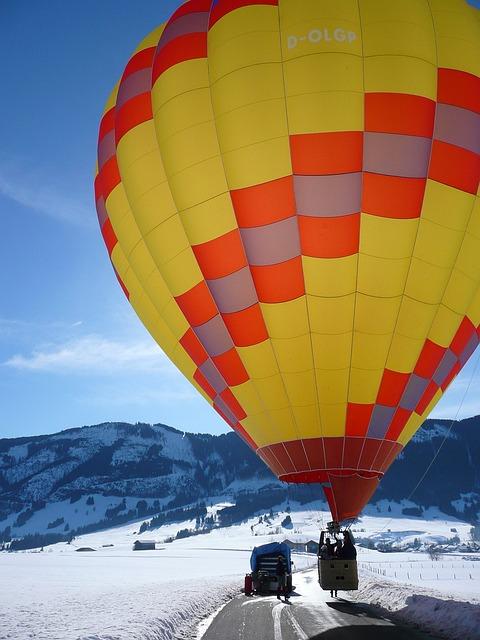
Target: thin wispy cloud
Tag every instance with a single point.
(30, 189)
(93, 355)
(12, 326)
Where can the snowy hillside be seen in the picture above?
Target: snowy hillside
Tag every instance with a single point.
(85, 479)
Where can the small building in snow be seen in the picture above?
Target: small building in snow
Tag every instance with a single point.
(312, 547)
(144, 545)
(295, 546)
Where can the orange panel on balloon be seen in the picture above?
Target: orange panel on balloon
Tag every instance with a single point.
(133, 113)
(279, 282)
(399, 421)
(221, 8)
(454, 166)
(141, 60)
(327, 153)
(463, 335)
(107, 124)
(197, 304)
(247, 327)
(193, 6)
(329, 237)
(233, 404)
(392, 387)
(429, 359)
(110, 176)
(194, 347)
(459, 88)
(231, 367)
(358, 418)
(188, 47)
(399, 113)
(221, 256)
(109, 236)
(392, 196)
(264, 203)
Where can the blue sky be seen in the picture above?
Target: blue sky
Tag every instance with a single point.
(72, 351)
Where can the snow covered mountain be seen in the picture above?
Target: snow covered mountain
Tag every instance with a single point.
(453, 481)
(92, 477)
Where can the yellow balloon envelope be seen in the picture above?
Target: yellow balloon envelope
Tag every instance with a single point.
(288, 191)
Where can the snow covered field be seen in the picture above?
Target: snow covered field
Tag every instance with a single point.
(115, 593)
(455, 575)
(63, 597)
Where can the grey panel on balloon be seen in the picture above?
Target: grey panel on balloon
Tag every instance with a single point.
(413, 392)
(225, 409)
(185, 25)
(328, 196)
(106, 149)
(214, 336)
(272, 243)
(469, 349)
(458, 126)
(380, 421)
(234, 292)
(396, 155)
(213, 376)
(446, 365)
(134, 85)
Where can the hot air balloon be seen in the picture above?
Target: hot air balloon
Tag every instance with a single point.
(289, 195)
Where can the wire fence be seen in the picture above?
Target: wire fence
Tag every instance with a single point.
(429, 571)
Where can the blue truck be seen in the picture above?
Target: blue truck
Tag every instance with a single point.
(263, 562)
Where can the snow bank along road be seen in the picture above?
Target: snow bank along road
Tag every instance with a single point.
(454, 617)
(312, 616)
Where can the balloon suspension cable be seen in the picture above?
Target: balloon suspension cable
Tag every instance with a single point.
(321, 518)
(452, 422)
(333, 527)
(349, 524)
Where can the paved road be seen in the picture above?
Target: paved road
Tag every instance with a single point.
(312, 615)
